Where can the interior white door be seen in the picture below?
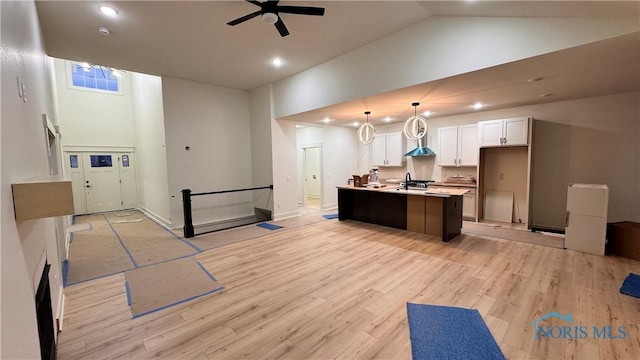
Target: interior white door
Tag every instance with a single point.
(102, 182)
(128, 183)
(312, 173)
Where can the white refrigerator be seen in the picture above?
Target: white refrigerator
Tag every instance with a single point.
(586, 221)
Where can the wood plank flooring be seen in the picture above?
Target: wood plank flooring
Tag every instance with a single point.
(339, 290)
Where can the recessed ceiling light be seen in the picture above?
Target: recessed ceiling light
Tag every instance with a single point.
(387, 119)
(356, 123)
(277, 62)
(104, 31)
(109, 11)
(478, 105)
(426, 113)
(326, 120)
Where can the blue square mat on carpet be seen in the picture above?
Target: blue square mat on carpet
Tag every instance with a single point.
(269, 226)
(330, 216)
(631, 285)
(445, 332)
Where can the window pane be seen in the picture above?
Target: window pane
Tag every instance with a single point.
(112, 85)
(78, 80)
(90, 82)
(101, 84)
(100, 160)
(73, 161)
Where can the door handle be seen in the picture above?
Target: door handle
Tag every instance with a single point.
(88, 185)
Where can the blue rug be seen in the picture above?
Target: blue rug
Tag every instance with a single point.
(330, 216)
(444, 332)
(269, 226)
(631, 285)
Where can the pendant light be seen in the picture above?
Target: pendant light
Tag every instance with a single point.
(366, 132)
(415, 128)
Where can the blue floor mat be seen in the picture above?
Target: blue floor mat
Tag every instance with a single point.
(444, 332)
(269, 226)
(631, 285)
(330, 216)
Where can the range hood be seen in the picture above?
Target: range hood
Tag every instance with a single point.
(421, 150)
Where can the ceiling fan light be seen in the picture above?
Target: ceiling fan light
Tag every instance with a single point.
(269, 18)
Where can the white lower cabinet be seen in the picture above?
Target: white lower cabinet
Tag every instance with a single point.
(469, 205)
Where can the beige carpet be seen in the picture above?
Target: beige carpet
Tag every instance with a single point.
(159, 286)
(502, 232)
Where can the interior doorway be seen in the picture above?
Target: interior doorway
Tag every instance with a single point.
(102, 181)
(312, 192)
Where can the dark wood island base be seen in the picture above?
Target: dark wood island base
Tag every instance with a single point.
(434, 213)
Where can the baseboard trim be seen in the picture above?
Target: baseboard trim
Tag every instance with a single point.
(155, 217)
(287, 215)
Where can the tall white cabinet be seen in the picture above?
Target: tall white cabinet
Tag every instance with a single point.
(504, 132)
(458, 145)
(387, 149)
(586, 222)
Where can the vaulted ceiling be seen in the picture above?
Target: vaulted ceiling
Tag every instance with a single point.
(190, 40)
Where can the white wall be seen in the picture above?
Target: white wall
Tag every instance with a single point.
(23, 155)
(151, 155)
(340, 144)
(285, 169)
(89, 118)
(433, 49)
(214, 122)
(261, 160)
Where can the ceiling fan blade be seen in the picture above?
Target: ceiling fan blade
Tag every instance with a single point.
(254, 2)
(282, 29)
(301, 10)
(244, 18)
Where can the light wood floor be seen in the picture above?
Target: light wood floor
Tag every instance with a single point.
(339, 290)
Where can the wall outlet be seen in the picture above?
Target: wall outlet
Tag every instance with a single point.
(278, 205)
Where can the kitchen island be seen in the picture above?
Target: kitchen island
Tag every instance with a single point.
(432, 211)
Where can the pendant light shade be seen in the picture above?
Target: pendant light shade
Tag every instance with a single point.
(366, 132)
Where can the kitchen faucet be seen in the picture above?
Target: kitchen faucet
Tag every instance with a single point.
(407, 178)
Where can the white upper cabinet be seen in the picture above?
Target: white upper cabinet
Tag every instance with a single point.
(387, 149)
(503, 132)
(458, 145)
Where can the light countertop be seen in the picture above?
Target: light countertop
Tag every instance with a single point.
(400, 190)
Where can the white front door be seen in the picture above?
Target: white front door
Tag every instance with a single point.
(102, 182)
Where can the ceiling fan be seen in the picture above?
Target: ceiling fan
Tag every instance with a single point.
(270, 9)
